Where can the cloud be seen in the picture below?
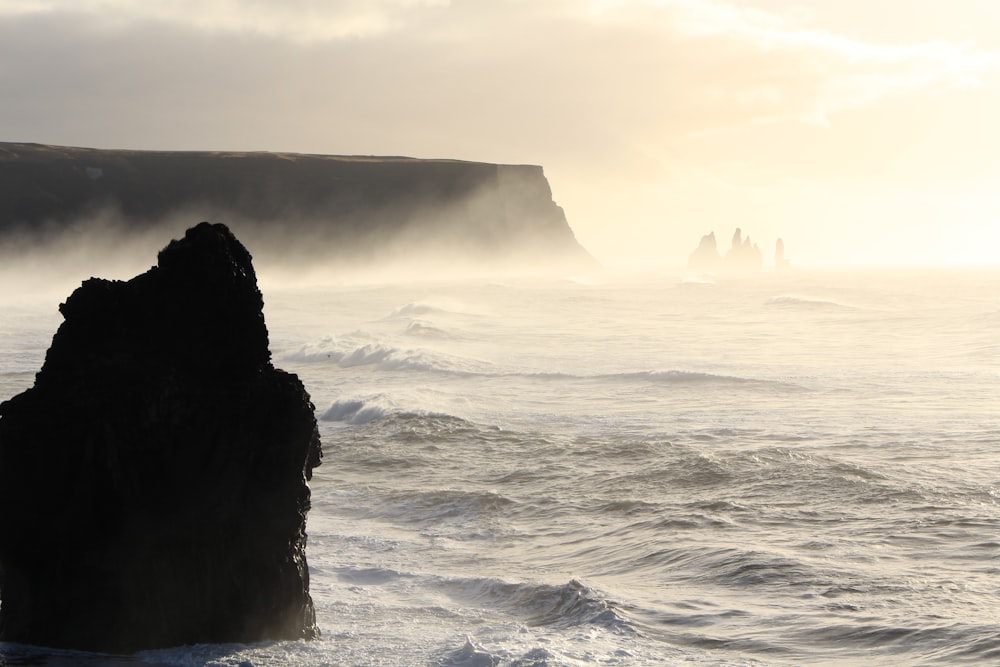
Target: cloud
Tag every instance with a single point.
(296, 20)
(626, 100)
(606, 68)
(749, 66)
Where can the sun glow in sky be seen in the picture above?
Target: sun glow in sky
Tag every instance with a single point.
(859, 131)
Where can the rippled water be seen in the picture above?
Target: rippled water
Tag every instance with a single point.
(774, 470)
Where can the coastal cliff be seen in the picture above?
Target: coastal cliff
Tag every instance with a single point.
(328, 207)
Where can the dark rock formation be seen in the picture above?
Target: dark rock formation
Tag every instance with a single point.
(153, 481)
(333, 207)
(706, 256)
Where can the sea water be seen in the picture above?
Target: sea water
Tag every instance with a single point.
(798, 468)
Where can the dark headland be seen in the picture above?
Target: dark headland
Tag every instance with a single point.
(341, 209)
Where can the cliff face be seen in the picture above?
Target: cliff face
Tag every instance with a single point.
(326, 205)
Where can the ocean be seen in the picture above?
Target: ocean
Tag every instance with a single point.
(796, 468)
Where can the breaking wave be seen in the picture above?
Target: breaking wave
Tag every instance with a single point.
(426, 330)
(376, 407)
(564, 605)
(792, 301)
(385, 357)
(419, 308)
(358, 411)
(382, 356)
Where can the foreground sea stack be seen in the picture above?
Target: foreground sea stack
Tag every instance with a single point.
(153, 482)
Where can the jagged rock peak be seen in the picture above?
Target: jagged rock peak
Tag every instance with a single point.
(706, 256)
(743, 255)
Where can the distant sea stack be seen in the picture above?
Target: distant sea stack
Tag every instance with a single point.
(347, 209)
(743, 255)
(153, 481)
(780, 263)
(706, 256)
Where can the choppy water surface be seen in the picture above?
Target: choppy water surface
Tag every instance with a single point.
(773, 470)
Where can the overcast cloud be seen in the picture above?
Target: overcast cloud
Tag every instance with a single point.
(660, 119)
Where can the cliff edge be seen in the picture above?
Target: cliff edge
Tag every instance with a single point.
(323, 206)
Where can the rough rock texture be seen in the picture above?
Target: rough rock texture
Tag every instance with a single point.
(334, 207)
(153, 482)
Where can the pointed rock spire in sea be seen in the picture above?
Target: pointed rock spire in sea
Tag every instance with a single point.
(744, 255)
(780, 263)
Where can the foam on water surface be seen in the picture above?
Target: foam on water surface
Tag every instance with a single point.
(785, 470)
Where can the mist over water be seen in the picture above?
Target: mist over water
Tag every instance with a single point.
(769, 469)
(52, 260)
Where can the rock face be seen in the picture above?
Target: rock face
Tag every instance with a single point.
(334, 207)
(153, 482)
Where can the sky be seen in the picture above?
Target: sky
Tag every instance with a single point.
(861, 132)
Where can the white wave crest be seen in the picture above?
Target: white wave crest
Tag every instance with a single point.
(355, 351)
(411, 309)
(324, 349)
(358, 411)
(567, 605)
(795, 301)
(471, 655)
(441, 306)
(424, 329)
(367, 355)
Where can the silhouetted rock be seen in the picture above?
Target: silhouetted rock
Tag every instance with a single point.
(342, 208)
(153, 481)
(706, 256)
(742, 256)
(780, 263)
